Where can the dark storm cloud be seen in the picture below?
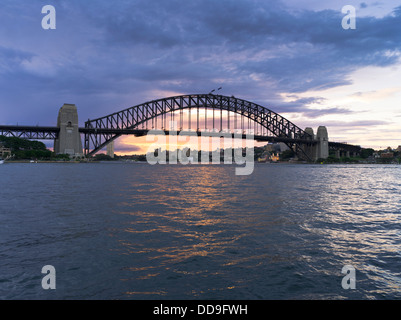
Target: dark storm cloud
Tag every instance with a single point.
(10, 59)
(311, 107)
(304, 51)
(105, 56)
(363, 5)
(358, 124)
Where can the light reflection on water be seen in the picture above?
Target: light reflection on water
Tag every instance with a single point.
(134, 231)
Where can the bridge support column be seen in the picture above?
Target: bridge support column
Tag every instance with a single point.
(323, 143)
(69, 140)
(319, 150)
(110, 149)
(311, 149)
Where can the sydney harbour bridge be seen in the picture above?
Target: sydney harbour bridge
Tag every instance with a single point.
(199, 114)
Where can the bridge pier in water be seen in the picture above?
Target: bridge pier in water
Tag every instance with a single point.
(323, 143)
(69, 139)
(319, 149)
(110, 149)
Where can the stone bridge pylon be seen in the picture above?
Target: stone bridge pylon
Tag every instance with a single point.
(69, 138)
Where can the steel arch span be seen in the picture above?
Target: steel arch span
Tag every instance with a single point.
(101, 131)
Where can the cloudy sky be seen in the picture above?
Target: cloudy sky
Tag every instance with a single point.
(291, 56)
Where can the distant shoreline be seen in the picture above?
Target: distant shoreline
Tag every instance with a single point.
(222, 163)
(45, 161)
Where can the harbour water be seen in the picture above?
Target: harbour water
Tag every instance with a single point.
(136, 231)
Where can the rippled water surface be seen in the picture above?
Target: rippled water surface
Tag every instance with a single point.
(135, 231)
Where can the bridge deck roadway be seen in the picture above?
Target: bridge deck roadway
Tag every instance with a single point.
(9, 129)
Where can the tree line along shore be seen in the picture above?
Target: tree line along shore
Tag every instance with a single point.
(23, 150)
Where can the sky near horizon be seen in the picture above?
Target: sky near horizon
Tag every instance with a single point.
(291, 56)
